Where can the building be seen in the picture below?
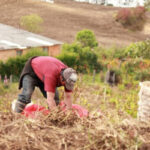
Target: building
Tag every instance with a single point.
(49, 1)
(125, 3)
(14, 42)
(117, 3)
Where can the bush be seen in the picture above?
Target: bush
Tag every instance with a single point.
(2, 68)
(134, 18)
(74, 47)
(138, 68)
(140, 49)
(82, 59)
(130, 66)
(35, 52)
(142, 75)
(86, 38)
(71, 59)
(110, 53)
(14, 66)
(31, 22)
(124, 16)
(89, 59)
(81, 54)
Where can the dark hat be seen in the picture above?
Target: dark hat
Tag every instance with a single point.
(70, 77)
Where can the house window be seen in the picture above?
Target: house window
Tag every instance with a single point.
(19, 52)
(45, 49)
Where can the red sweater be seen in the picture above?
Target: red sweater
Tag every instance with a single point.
(48, 70)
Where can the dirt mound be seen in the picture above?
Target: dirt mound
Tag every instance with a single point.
(64, 18)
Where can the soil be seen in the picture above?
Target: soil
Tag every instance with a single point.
(64, 18)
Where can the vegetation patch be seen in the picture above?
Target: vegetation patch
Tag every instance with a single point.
(132, 18)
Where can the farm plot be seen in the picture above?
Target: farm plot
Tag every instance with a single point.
(106, 127)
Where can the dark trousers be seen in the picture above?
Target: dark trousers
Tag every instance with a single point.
(28, 89)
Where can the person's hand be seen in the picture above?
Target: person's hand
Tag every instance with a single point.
(52, 104)
(69, 107)
(50, 100)
(68, 100)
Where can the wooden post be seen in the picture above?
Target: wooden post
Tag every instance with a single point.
(10, 78)
(94, 72)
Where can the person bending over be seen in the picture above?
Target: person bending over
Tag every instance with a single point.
(46, 73)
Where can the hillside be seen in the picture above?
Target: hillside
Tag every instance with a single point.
(64, 18)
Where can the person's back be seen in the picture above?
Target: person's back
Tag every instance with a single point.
(48, 71)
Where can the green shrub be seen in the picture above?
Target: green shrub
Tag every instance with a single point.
(71, 59)
(142, 75)
(137, 68)
(89, 59)
(31, 22)
(140, 49)
(130, 66)
(74, 47)
(119, 53)
(81, 58)
(2, 68)
(110, 53)
(86, 38)
(14, 66)
(81, 54)
(34, 52)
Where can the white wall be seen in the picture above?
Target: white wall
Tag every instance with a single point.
(49, 1)
(91, 1)
(126, 3)
(117, 3)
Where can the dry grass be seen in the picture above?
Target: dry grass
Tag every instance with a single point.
(105, 130)
(67, 131)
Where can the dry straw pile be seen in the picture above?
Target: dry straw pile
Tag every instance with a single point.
(66, 131)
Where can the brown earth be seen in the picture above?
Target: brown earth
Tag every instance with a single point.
(64, 18)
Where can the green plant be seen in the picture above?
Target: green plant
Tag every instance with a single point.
(83, 59)
(31, 22)
(139, 49)
(34, 52)
(86, 38)
(130, 65)
(110, 53)
(142, 75)
(71, 59)
(130, 105)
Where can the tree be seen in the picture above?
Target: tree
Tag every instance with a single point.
(86, 38)
(80, 58)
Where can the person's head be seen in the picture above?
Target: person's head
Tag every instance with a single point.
(68, 78)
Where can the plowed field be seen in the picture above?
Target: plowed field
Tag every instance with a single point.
(64, 18)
